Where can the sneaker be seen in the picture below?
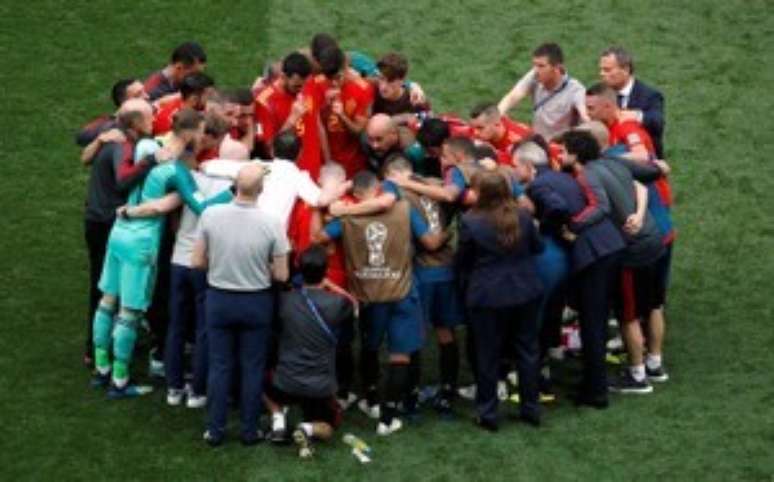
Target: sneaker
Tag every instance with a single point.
(155, 368)
(384, 430)
(301, 439)
(658, 374)
(371, 411)
(502, 391)
(513, 379)
(347, 401)
(626, 383)
(129, 391)
(615, 344)
(100, 381)
(196, 401)
(211, 439)
(175, 396)
(468, 392)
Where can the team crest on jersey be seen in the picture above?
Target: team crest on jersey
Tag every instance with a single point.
(376, 236)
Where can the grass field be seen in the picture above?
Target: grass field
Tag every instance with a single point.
(712, 59)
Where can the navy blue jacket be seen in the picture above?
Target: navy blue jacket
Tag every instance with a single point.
(558, 197)
(651, 102)
(495, 277)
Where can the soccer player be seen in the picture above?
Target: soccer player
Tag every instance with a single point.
(187, 58)
(392, 96)
(496, 129)
(277, 106)
(558, 101)
(194, 89)
(436, 281)
(311, 320)
(128, 274)
(380, 275)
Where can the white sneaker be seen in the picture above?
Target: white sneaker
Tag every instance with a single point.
(371, 411)
(502, 391)
(513, 378)
(196, 401)
(347, 402)
(468, 392)
(615, 344)
(384, 430)
(175, 396)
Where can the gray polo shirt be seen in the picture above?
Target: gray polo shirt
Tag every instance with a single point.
(241, 242)
(554, 111)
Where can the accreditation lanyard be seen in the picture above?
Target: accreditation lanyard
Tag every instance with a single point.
(553, 94)
(318, 317)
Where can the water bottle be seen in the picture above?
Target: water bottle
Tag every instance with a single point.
(356, 443)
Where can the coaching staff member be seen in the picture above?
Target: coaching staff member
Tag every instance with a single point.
(243, 250)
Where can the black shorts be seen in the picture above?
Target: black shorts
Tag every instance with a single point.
(639, 293)
(324, 409)
(663, 267)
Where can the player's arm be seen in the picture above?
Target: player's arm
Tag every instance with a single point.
(517, 93)
(127, 173)
(635, 221)
(154, 208)
(183, 182)
(112, 135)
(380, 203)
(644, 172)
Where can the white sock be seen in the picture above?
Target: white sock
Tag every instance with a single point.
(278, 421)
(120, 383)
(307, 428)
(638, 372)
(653, 361)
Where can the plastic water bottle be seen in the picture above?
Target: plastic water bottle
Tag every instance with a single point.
(360, 449)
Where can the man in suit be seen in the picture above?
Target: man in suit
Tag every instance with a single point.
(644, 103)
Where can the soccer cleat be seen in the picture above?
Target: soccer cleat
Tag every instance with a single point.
(100, 381)
(384, 430)
(371, 411)
(196, 401)
(658, 374)
(211, 439)
(129, 391)
(468, 392)
(347, 401)
(626, 383)
(301, 439)
(175, 396)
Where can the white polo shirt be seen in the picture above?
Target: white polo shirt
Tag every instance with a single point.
(554, 111)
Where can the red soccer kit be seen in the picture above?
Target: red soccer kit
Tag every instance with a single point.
(162, 121)
(514, 132)
(272, 108)
(632, 133)
(345, 148)
(313, 94)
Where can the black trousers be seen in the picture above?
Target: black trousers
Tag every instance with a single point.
(490, 326)
(96, 235)
(595, 285)
(158, 312)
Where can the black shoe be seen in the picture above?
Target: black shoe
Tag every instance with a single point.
(599, 402)
(488, 425)
(279, 437)
(626, 383)
(211, 439)
(253, 438)
(658, 375)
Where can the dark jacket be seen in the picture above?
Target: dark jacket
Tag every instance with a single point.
(558, 197)
(651, 102)
(495, 277)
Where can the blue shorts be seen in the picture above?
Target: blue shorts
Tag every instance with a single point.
(400, 320)
(441, 303)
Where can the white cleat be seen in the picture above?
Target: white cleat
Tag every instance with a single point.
(468, 392)
(371, 411)
(196, 401)
(347, 402)
(175, 396)
(384, 430)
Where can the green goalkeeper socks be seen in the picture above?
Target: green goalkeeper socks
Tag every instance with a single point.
(103, 325)
(124, 338)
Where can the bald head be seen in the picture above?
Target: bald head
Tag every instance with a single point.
(136, 115)
(249, 182)
(382, 133)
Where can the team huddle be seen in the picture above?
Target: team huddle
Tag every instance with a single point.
(273, 239)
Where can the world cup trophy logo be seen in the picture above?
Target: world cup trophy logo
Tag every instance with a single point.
(432, 213)
(376, 236)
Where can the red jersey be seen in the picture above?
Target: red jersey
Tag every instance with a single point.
(632, 134)
(162, 120)
(514, 133)
(457, 126)
(313, 94)
(356, 96)
(272, 108)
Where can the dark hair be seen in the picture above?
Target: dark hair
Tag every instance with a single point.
(484, 151)
(496, 203)
(363, 181)
(550, 50)
(215, 125)
(195, 84)
(393, 66)
(186, 119)
(189, 53)
(331, 61)
(487, 108)
(462, 144)
(287, 145)
(118, 92)
(580, 143)
(241, 96)
(296, 63)
(433, 132)
(313, 264)
(320, 42)
(622, 57)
